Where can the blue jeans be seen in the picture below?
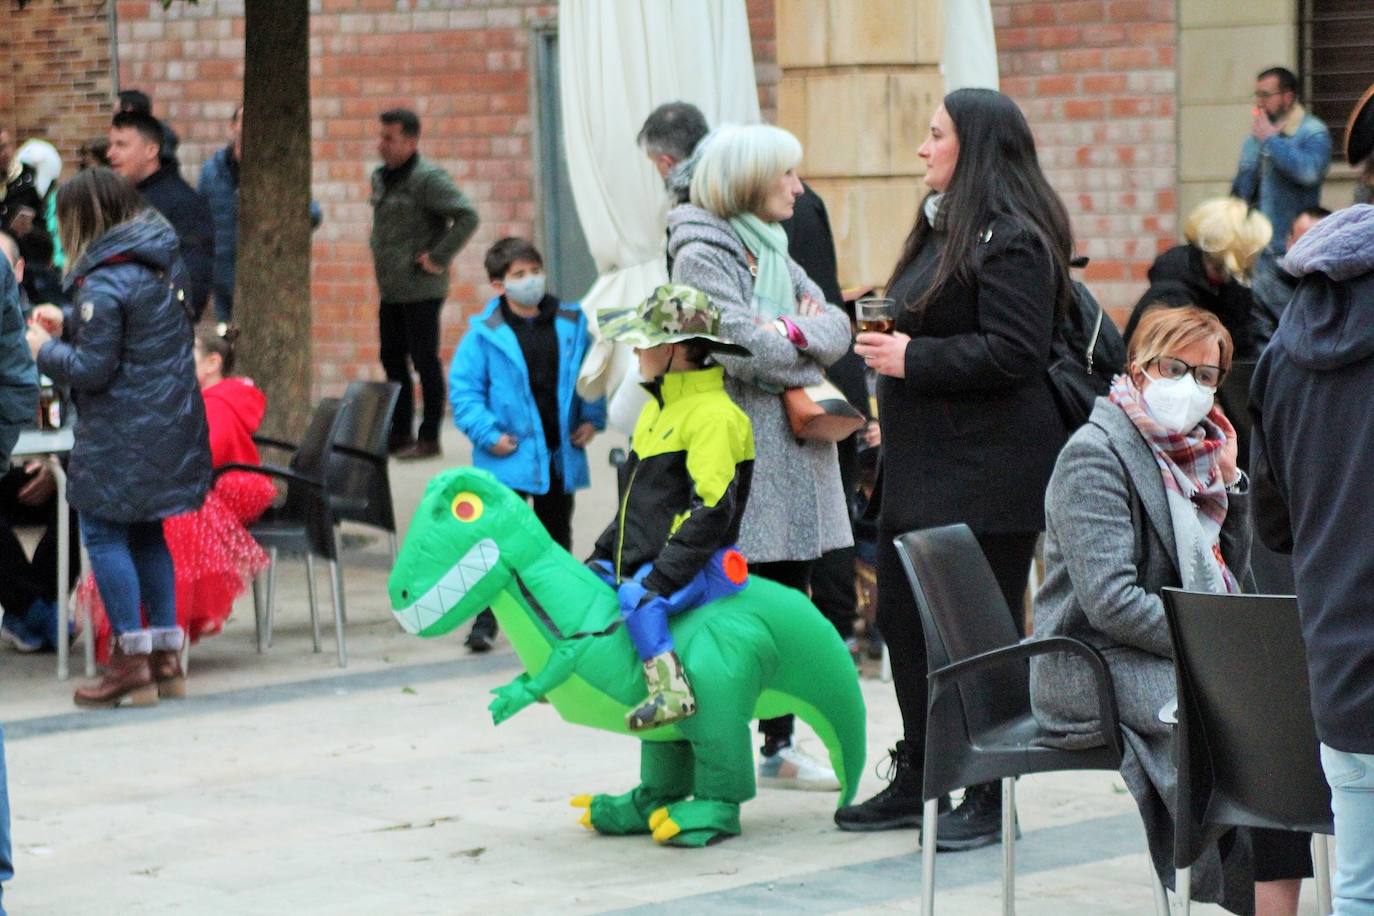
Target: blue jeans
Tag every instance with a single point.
(6, 858)
(132, 568)
(1352, 801)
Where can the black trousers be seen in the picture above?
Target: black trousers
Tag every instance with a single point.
(409, 336)
(1009, 555)
(22, 580)
(554, 510)
(794, 574)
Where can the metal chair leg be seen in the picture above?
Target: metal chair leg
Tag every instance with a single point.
(1161, 898)
(930, 821)
(337, 592)
(885, 667)
(1009, 846)
(391, 537)
(1183, 889)
(271, 591)
(310, 591)
(1321, 869)
(258, 609)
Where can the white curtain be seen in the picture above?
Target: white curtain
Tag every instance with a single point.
(618, 61)
(969, 60)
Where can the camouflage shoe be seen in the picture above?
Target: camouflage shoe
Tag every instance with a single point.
(670, 696)
(672, 313)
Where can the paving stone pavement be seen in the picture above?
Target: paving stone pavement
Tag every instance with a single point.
(284, 784)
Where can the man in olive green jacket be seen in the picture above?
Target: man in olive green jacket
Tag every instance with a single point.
(420, 220)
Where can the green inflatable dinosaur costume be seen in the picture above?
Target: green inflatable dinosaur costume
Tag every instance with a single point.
(762, 652)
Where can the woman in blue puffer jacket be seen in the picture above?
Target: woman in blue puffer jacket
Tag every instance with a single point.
(142, 450)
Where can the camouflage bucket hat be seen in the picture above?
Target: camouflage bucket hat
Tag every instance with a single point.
(671, 314)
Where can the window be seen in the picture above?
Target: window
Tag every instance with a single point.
(1334, 42)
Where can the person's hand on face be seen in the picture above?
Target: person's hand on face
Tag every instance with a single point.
(1261, 128)
(883, 353)
(1227, 457)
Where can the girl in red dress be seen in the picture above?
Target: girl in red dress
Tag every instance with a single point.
(214, 555)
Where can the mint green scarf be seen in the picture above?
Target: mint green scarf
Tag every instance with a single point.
(773, 281)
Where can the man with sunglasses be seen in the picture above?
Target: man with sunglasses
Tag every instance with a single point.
(1284, 160)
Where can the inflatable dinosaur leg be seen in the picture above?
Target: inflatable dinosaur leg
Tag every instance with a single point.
(665, 771)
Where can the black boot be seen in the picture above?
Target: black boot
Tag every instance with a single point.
(896, 807)
(483, 632)
(975, 823)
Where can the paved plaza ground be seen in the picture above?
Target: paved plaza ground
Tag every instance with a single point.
(284, 784)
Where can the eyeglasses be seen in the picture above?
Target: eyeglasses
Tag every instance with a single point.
(1262, 95)
(1206, 376)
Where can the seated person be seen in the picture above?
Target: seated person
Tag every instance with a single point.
(1225, 239)
(687, 479)
(1147, 494)
(511, 389)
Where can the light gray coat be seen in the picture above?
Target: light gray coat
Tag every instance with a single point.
(797, 508)
(1109, 551)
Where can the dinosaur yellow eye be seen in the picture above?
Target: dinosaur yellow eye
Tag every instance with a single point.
(467, 507)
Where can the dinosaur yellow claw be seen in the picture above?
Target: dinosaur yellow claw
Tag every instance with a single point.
(657, 817)
(666, 830)
(586, 819)
(581, 801)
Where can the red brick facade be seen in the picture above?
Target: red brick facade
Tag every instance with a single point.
(1097, 80)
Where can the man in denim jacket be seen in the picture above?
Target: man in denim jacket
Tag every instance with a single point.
(1285, 158)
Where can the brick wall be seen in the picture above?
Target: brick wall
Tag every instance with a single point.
(463, 65)
(55, 79)
(1097, 80)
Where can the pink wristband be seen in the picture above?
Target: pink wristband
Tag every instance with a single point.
(794, 333)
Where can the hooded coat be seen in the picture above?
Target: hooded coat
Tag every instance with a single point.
(142, 450)
(18, 380)
(1311, 463)
(234, 409)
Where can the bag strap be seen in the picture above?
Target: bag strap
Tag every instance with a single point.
(1092, 341)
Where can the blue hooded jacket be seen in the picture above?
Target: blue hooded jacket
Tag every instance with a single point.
(489, 389)
(1312, 461)
(18, 378)
(142, 448)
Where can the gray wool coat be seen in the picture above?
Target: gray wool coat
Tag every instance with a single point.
(797, 508)
(1109, 551)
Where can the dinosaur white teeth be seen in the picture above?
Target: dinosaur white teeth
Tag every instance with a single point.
(464, 575)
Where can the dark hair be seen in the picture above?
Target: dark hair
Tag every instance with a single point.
(696, 351)
(98, 149)
(220, 344)
(148, 126)
(409, 120)
(1314, 212)
(1288, 80)
(996, 178)
(89, 204)
(507, 251)
(673, 129)
(135, 100)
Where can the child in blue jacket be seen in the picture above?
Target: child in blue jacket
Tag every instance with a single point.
(512, 390)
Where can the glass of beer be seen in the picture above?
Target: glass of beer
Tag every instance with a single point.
(877, 316)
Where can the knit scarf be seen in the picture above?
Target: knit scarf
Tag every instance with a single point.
(767, 242)
(1191, 467)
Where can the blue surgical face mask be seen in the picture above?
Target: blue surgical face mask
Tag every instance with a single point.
(527, 290)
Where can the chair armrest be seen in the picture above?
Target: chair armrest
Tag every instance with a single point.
(268, 470)
(276, 443)
(1028, 648)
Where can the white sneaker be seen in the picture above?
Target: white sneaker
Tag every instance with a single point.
(791, 768)
(16, 642)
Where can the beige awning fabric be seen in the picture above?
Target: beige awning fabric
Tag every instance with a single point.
(970, 57)
(618, 60)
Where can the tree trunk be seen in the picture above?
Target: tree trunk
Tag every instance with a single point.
(272, 286)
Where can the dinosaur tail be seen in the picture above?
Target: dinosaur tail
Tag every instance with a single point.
(814, 678)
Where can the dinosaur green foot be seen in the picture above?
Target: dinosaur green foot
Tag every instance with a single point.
(620, 815)
(695, 823)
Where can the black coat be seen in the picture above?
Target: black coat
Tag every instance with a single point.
(1178, 277)
(170, 195)
(971, 434)
(142, 447)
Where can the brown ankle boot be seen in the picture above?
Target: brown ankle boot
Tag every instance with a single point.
(126, 677)
(165, 663)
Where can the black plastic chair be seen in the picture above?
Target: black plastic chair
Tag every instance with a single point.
(359, 482)
(1245, 744)
(303, 523)
(979, 726)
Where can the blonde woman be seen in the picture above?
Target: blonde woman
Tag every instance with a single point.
(728, 243)
(1224, 239)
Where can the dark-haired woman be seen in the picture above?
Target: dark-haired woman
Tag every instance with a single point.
(970, 428)
(140, 452)
(214, 555)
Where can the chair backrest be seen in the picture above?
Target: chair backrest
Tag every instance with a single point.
(963, 614)
(308, 504)
(1247, 749)
(363, 484)
(366, 418)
